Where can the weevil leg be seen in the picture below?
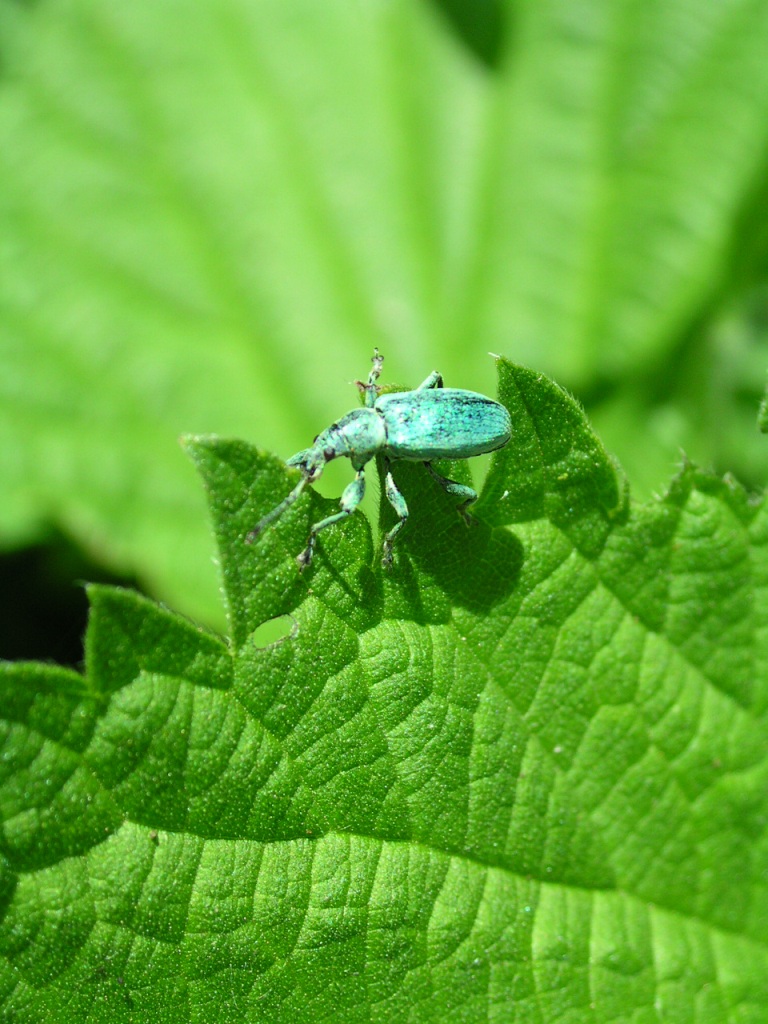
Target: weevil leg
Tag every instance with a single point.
(350, 499)
(457, 490)
(434, 380)
(276, 512)
(397, 501)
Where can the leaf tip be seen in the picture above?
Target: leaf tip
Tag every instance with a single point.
(194, 442)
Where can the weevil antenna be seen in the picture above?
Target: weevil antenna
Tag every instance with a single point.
(270, 517)
(378, 363)
(371, 389)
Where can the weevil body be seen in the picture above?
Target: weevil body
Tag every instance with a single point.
(430, 422)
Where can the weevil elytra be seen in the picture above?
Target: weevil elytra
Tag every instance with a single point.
(430, 422)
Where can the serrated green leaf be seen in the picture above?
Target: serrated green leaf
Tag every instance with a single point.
(520, 777)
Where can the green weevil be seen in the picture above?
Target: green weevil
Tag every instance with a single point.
(430, 422)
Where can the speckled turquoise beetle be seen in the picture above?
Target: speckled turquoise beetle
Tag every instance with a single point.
(431, 422)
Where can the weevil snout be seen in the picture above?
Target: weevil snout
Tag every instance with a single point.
(311, 462)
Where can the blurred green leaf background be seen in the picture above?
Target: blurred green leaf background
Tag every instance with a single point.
(210, 213)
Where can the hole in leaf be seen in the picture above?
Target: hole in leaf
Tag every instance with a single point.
(273, 631)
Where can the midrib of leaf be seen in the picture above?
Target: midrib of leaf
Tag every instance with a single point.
(304, 183)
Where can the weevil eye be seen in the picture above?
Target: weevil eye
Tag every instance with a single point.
(328, 454)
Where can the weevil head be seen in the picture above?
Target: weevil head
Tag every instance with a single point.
(358, 435)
